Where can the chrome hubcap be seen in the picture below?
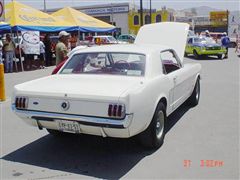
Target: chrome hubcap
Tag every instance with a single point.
(160, 124)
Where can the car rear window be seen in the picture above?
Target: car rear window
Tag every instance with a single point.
(127, 64)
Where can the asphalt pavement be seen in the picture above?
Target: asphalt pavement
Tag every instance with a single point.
(201, 142)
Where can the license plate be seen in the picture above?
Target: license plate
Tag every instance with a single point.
(68, 126)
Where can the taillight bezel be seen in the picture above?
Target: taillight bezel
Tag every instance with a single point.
(116, 111)
(21, 102)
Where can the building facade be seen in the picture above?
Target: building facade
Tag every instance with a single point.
(123, 16)
(157, 16)
(115, 14)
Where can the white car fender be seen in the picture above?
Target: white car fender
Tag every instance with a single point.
(143, 103)
(162, 97)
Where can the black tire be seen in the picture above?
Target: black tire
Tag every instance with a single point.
(220, 56)
(56, 133)
(193, 100)
(195, 54)
(153, 136)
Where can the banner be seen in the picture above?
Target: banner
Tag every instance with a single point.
(30, 42)
(219, 18)
(2, 10)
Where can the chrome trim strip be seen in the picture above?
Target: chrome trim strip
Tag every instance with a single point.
(88, 120)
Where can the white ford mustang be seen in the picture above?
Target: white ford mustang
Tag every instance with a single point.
(116, 90)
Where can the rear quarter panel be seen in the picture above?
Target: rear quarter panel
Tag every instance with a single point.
(143, 100)
(194, 70)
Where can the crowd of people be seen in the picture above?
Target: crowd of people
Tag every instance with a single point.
(10, 51)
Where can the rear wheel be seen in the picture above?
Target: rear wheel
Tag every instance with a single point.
(153, 136)
(56, 133)
(194, 98)
(220, 56)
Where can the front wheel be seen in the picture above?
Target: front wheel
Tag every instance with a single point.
(153, 136)
(195, 54)
(195, 96)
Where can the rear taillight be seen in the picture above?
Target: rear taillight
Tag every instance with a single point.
(116, 111)
(21, 102)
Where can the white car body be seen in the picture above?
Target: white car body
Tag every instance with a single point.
(76, 49)
(89, 96)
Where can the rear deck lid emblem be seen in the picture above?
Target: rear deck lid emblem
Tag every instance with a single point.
(65, 105)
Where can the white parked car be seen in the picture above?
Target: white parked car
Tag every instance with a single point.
(115, 91)
(104, 39)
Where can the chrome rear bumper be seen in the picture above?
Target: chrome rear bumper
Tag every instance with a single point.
(85, 120)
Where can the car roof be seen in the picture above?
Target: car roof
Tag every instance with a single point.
(102, 36)
(131, 48)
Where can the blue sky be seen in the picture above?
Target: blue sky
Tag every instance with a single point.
(176, 4)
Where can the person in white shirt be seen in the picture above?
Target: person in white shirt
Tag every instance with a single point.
(42, 55)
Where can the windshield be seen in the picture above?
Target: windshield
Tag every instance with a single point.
(111, 39)
(199, 40)
(127, 64)
(204, 40)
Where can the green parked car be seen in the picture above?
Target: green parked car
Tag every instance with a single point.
(130, 38)
(204, 46)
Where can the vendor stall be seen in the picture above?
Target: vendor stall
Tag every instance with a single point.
(83, 22)
(25, 18)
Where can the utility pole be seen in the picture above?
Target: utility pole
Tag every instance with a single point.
(112, 13)
(112, 17)
(141, 13)
(227, 22)
(45, 8)
(150, 11)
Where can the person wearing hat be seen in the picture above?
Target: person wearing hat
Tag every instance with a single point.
(225, 43)
(207, 34)
(61, 47)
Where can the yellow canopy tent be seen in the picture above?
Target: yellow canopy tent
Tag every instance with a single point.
(22, 17)
(84, 22)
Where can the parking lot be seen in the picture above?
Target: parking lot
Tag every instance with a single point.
(201, 142)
